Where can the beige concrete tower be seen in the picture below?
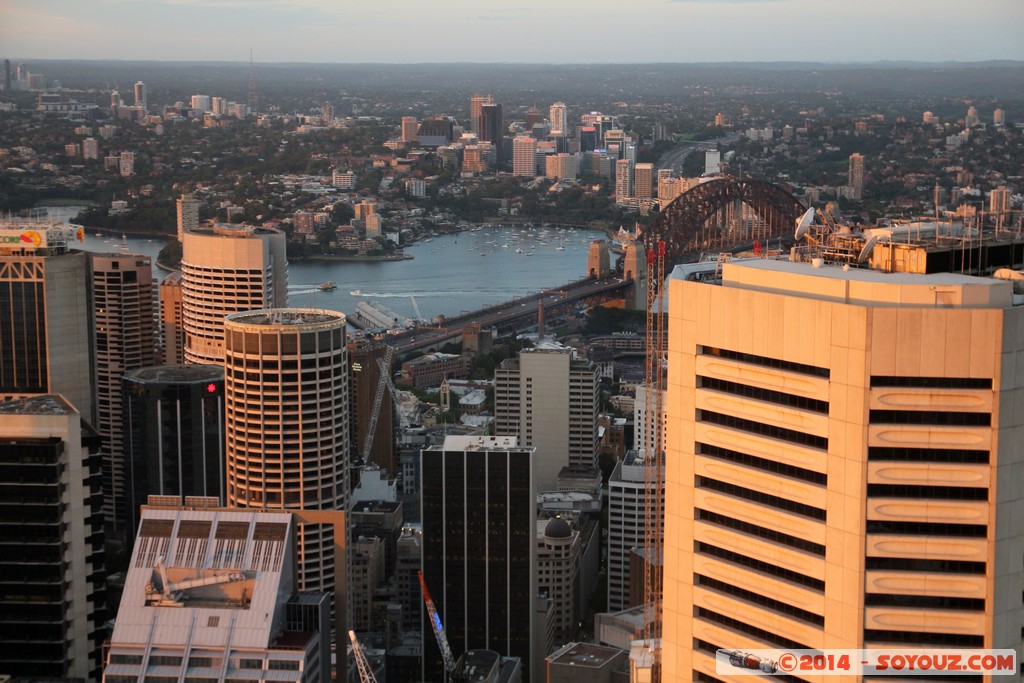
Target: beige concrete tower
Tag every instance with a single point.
(286, 405)
(227, 269)
(125, 324)
(842, 458)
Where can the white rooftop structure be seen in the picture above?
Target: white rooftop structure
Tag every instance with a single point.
(208, 589)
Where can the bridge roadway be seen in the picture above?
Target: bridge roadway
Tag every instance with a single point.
(507, 315)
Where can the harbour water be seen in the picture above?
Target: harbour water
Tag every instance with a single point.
(448, 274)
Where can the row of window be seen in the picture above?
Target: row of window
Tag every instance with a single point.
(758, 599)
(927, 492)
(759, 394)
(765, 361)
(762, 429)
(953, 455)
(762, 463)
(930, 417)
(760, 498)
(760, 566)
(760, 531)
(931, 382)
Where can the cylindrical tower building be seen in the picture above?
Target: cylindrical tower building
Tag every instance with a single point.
(173, 434)
(227, 269)
(287, 408)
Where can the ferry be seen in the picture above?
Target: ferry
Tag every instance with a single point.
(328, 286)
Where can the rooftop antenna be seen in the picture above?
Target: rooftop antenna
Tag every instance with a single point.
(253, 97)
(935, 197)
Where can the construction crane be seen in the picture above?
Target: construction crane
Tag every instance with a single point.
(435, 625)
(378, 398)
(654, 461)
(365, 672)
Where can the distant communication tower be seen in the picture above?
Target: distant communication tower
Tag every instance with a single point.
(254, 99)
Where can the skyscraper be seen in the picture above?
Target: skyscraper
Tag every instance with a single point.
(475, 103)
(52, 587)
(188, 215)
(410, 127)
(172, 333)
(623, 180)
(45, 335)
(627, 496)
(524, 162)
(855, 176)
(479, 547)
(490, 125)
(643, 181)
(548, 399)
(173, 425)
(125, 323)
(226, 269)
(140, 95)
(838, 467)
(287, 413)
(558, 119)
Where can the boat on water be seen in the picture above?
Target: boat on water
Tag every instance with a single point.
(356, 292)
(328, 286)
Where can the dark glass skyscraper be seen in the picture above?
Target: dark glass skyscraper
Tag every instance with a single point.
(490, 125)
(479, 545)
(173, 434)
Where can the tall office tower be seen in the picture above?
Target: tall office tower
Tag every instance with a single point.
(226, 269)
(627, 496)
(998, 117)
(712, 162)
(644, 422)
(588, 138)
(838, 467)
(173, 421)
(140, 95)
(408, 557)
(558, 120)
(172, 333)
(524, 162)
(999, 202)
(476, 102)
(212, 594)
(971, 119)
(286, 404)
(490, 125)
(548, 399)
(201, 103)
(479, 550)
(643, 181)
(855, 176)
(52, 588)
(623, 180)
(188, 215)
(7, 75)
(125, 322)
(45, 332)
(365, 378)
(473, 159)
(410, 127)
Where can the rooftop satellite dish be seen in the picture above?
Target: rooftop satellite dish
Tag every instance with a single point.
(803, 224)
(869, 247)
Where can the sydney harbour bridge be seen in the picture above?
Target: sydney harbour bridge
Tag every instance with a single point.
(722, 215)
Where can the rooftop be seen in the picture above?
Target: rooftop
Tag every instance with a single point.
(178, 374)
(46, 404)
(585, 654)
(286, 317)
(479, 443)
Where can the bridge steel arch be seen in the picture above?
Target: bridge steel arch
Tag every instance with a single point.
(685, 226)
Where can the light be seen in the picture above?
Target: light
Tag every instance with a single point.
(211, 388)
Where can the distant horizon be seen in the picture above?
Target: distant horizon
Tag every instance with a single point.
(780, 62)
(532, 31)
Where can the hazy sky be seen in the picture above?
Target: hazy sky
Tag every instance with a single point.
(556, 31)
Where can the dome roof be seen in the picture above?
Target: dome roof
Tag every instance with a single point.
(558, 528)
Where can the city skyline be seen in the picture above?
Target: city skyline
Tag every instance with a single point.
(320, 31)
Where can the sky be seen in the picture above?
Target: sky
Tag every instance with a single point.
(534, 31)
